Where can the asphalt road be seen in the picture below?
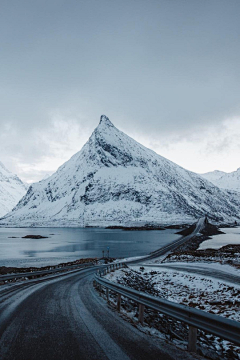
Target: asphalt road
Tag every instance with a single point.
(62, 317)
(172, 246)
(200, 270)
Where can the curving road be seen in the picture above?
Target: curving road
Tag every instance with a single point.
(200, 270)
(62, 317)
(172, 246)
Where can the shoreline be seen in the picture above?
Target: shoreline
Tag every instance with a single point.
(8, 270)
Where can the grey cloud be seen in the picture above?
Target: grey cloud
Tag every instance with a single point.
(158, 68)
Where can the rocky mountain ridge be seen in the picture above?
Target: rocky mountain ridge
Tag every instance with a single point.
(114, 180)
(223, 180)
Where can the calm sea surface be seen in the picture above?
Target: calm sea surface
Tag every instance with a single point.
(69, 244)
(231, 236)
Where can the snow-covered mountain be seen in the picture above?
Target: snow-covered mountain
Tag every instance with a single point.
(12, 189)
(230, 181)
(213, 175)
(114, 179)
(46, 176)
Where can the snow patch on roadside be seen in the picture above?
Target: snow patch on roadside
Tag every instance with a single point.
(207, 294)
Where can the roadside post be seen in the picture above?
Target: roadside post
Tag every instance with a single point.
(192, 339)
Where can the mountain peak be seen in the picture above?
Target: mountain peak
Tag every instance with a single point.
(116, 180)
(105, 120)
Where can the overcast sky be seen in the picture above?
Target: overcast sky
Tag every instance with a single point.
(165, 72)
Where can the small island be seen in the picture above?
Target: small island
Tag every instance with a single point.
(34, 237)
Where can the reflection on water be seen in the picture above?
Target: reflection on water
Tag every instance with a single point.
(66, 248)
(68, 244)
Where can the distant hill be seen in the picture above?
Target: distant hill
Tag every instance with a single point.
(12, 190)
(230, 181)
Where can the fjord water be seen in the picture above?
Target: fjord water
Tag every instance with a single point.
(230, 236)
(69, 244)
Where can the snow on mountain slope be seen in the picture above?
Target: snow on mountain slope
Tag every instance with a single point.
(12, 189)
(230, 181)
(114, 179)
(213, 175)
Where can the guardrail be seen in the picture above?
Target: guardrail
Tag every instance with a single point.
(196, 319)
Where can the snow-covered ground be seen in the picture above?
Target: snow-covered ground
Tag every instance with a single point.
(205, 280)
(204, 293)
(207, 294)
(228, 254)
(199, 265)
